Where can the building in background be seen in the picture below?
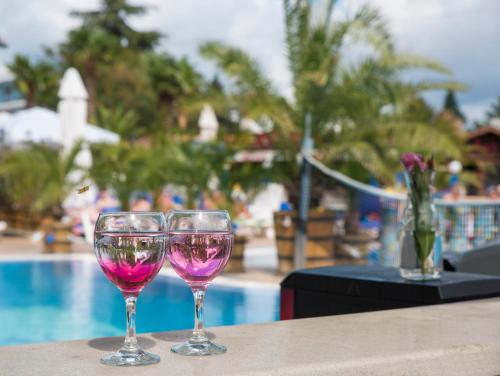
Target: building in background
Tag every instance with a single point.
(487, 140)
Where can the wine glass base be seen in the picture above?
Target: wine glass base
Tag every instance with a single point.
(130, 358)
(192, 348)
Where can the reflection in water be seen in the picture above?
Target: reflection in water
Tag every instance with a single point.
(73, 299)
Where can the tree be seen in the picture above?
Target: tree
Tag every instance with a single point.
(360, 110)
(103, 40)
(118, 120)
(451, 105)
(126, 167)
(173, 81)
(38, 81)
(42, 192)
(88, 50)
(494, 110)
(111, 19)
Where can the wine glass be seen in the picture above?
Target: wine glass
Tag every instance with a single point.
(200, 243)
(130, 248)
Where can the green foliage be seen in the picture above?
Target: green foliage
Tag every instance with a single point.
(38, 81)
(494, 110)
(421, 200)
(109, 54)
(364, 115)
(254, 94)
(118, 120)
(176, 84)
(451, 105)
(111, 19)
(126, 167)
(172, 78)
(41, 192)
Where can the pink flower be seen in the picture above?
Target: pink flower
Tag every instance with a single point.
(411, 160)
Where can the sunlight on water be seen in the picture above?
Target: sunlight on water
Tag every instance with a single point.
(54, 301)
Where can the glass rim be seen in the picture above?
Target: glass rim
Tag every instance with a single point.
(197, 211)
(123, 213)
(200, 231)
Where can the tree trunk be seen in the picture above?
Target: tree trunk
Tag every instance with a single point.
(182, 118)
(91, 83)
(352, 216)
(167, 109)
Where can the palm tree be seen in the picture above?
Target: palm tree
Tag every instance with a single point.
(174, 82)
(118, 120)
(38, 82)
(360, 110)
(42, 192)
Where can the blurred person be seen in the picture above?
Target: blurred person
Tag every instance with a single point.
(141, 201)
(286, 206)
(462, 219)
(169, 201)
(493, 192)
(212, 200)
(107, 202)
(486, 218)
(165, 201)
(241, 209)
(456, 192)
(178, 202)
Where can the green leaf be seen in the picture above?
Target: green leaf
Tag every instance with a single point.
(424, 240)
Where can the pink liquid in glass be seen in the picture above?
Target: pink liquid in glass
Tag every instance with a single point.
(199, 257)
(130, 261)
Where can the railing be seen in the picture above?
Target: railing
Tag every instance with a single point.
(464, 224)
(468, 224)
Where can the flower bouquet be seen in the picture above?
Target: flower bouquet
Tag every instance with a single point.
(420, 258)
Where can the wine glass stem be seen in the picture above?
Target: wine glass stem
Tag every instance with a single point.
(130, 337)
(199, 301)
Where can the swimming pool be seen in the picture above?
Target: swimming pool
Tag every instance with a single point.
(42, 301)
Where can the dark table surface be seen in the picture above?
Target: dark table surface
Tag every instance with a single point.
(385, 283)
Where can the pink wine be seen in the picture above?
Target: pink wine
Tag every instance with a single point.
(130, 260)
(199, 257)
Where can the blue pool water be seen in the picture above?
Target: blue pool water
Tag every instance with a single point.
(43, 301)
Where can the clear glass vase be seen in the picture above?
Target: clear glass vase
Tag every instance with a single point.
(415, 266)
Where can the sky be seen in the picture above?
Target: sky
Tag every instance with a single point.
(462, 35)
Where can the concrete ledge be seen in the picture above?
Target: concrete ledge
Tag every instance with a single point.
(451, 339)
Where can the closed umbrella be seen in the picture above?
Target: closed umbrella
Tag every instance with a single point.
(72, 108)
(208, 124)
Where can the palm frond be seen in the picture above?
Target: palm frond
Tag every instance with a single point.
(238, 66)
(367, 25)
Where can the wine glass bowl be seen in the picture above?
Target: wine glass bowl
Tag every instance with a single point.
(130, 248)
(199, 257)
(200, 243)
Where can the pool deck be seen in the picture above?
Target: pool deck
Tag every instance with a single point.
(260, 257)
(450, 339)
